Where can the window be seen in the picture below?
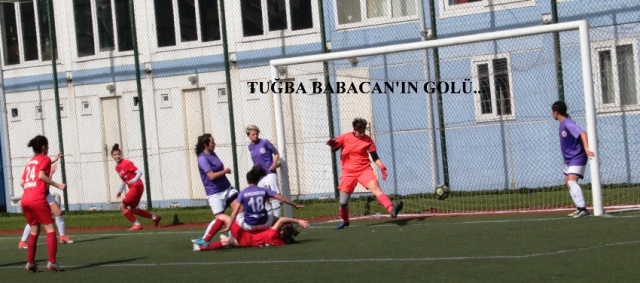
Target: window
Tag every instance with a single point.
(165, 100)
(108, 19)
(25, 31)
(186, 21)
(493, 92)
(357, 11)
(85, 108)
(616, 77)
(451, 8)
(39, 112)
(15, 116)
(222, 95)
(263, 16)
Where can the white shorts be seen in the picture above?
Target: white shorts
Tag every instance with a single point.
(270, 181)
(576, 170)
(221, 200)
(248, 227)
(51, 199)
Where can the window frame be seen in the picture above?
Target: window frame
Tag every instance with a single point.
(610, 45)
(267, 34)
(3, 47)
(96, 36)
(493, 116)
(446, 10)
(176, 25)
(379, 21)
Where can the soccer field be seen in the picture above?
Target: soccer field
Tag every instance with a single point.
(510, 248)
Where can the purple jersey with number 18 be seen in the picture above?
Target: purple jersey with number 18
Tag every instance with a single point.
(253, 199)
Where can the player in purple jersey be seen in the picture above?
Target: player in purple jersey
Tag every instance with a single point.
(575, 151)
(252, 201)
(220, 193)
(263, 153)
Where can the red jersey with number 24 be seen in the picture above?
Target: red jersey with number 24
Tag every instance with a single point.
(35, 190)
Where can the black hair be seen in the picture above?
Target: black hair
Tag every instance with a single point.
(115, 147)
(560, 107)
(37, 143)
(359, 123)
(256, 173)
(203, 141)
(287, 233)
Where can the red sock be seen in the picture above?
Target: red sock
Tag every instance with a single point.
(129, 215)
(344, 214)
(214, 246)
(217, 224)
(52, 246)
(32, 244)
(386, 202)
(143, 213)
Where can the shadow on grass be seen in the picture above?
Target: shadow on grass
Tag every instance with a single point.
(95, 239)
(112, 262)
(399, 221)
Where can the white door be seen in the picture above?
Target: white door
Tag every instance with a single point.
(112, 132)
(196, 122)
(355, 105)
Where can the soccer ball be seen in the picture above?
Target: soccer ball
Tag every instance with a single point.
(441, 192)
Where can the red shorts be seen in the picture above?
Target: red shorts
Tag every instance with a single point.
(37, 213)
(349, 180)
(242, 236)
(133, 196)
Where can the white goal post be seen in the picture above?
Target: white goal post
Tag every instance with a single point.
(590, 111)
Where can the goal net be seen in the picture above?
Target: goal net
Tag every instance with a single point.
(479, 121)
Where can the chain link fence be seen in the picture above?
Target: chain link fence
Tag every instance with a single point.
(497, 149)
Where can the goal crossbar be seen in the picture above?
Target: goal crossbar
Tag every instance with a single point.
(583, 29)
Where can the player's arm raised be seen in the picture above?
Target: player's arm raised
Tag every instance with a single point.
(287, 201)
(284, 220)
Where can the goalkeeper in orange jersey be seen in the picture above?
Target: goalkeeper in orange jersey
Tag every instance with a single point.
(356, 147)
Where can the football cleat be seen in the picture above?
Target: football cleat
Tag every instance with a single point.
(201, 242)
(574, 213)
(64, 239)
(135, 227)
(23, 245)
(582, 213)
(157, 221)
(396, 209)
(32, 267)
(54, 267)
(342, 225)
(196, 247)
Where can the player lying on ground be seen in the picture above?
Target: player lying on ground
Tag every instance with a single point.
(356, 168)
(279, 234)
(130, 176)
(57, 212)
(253, 201)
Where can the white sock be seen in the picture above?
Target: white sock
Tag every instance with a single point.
(209, 227)
(25, 233)
(60, 224)
(576, 193)
(276, 207)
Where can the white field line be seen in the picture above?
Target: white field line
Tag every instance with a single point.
(93, 235)
(354, 260)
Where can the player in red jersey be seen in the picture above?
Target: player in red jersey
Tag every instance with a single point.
(279, 234)
(356, 168)
(35, 180)
(130, 176)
